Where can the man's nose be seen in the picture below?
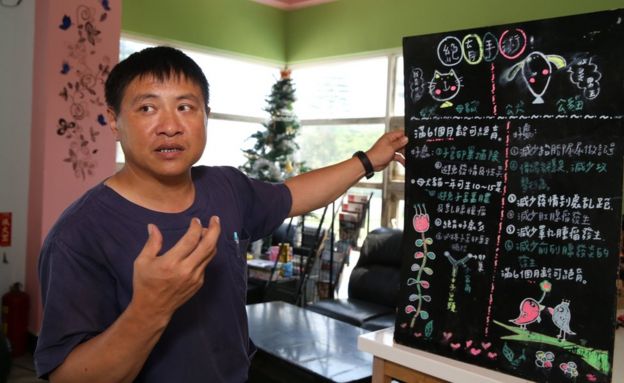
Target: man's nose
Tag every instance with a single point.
(170, 124)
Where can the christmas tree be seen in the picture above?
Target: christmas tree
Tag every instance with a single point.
(271, 157)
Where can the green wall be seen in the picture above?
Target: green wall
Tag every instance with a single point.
(238, 26)
(355, 26)
(344, 27)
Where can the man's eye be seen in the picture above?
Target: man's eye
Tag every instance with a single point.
(146, 108)
(185, 108)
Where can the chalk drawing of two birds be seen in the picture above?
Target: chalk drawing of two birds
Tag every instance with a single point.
(530, 311)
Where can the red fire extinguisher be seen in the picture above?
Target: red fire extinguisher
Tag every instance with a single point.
(15, 305)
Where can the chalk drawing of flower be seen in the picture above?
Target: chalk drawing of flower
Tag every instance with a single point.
(420, 222)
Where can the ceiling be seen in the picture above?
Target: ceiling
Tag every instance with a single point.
(292, 4)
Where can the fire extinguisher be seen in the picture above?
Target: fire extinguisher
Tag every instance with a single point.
(15, 306)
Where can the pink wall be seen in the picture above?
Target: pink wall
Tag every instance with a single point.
(72, 149)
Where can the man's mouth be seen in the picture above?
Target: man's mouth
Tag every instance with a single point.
(168, 150)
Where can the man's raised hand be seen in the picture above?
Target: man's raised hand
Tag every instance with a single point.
(163, 283)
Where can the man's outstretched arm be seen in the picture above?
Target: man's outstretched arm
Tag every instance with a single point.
(319, 187)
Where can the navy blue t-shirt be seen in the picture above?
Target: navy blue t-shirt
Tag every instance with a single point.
(86, 267)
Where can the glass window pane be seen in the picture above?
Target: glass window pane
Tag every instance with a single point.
(399, 221)
(350, 89)
(399, 91)
(327, 144)
(237, 86)
(225, 142)
(128, 47)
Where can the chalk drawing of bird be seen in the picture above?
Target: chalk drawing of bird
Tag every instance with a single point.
(530, 311)
(561, 318)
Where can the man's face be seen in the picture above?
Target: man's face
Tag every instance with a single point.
(161, 127)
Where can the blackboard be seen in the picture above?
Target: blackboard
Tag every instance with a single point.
(513, 195)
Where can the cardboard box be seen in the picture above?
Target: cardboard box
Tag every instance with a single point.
(349, 217)
(261, 269)
(353, 207)
(358, 198)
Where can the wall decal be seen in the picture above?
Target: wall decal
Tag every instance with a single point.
(84, 70)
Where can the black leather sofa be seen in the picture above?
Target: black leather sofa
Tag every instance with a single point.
(373, 286)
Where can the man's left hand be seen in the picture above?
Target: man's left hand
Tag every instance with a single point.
(390, 146)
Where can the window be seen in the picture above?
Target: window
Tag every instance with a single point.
(322, 145)
(346, 106)
(225, 142)
(351, 89)
(343, 107)
(237, 87)
(399, 96)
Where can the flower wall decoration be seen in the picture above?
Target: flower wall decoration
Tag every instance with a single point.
(86, 71)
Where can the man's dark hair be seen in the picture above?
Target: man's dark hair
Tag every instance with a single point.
(160, 62)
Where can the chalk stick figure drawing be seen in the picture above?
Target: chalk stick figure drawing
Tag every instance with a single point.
(444, 87)
(561, 318)
(531, 309)
(537, 69)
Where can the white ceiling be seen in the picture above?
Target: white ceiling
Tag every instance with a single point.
(292, 4)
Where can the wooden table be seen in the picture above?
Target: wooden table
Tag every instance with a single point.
(302, 345)
(411, 365)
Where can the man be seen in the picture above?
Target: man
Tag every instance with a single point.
(143, 278)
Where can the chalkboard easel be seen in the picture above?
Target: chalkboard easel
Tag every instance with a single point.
(513, 195)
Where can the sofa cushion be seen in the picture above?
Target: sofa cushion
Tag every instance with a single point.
(376, 276)
(380, 322)
(353, 311)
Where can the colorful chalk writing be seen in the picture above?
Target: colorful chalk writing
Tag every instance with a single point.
(512, 43)
(417, 84)
(472, 49)
(450, 51)
(514, 175)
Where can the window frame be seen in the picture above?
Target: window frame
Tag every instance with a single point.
(392, 185)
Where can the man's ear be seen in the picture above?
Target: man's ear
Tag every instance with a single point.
(112, 122)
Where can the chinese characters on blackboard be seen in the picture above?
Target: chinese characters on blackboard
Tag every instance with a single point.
(513, 196)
